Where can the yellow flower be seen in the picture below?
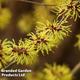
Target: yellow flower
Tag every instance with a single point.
(25, 23)
(54, 72)
(50, 34)
(5, 16)
(57, 72)
(42, 42)
(72, 10)
(5, 49)
(57, 5)
(23, 53)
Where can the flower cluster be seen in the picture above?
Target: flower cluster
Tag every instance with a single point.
(49, 34)
(54, 27)
(23, 53)
(65, 8)
(57, 5)
(55, 72)
(5, 48)
(72, 10)
(41, 42)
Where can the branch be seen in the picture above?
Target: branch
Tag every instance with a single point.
(76, 68)
(34, 2)
(10, 64)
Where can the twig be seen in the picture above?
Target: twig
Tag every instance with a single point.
(37, 3)
(76, 68)
(9, 64)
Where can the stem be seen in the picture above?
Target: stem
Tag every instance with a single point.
(76, 68)
(9, 64)
(34, 2)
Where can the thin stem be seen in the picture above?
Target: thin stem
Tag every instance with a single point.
(37, 3)
(76, 68)
(10, 64)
